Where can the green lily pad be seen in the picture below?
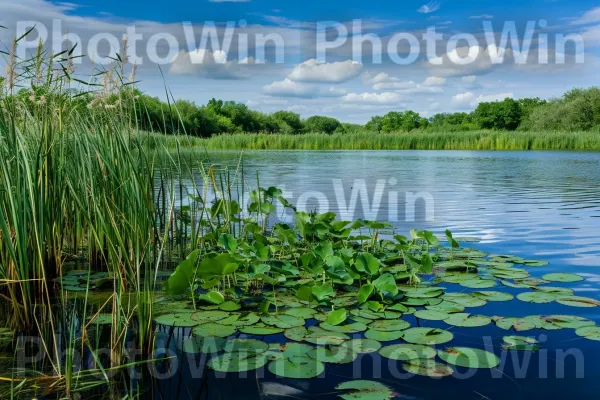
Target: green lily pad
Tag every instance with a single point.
(337, 317)
(428, 336)
(301, 312)
(362, 346)
(283, 321)
(209, 316)
(297, 367)
(562, 277)
(534, 263)
(295, 349)
(431, 315)
(389, 325)
(467, 320)
(353, 327)
(180, 319)
(333, 354)
(326, 338)
(213, 329)
(260, 330)
(428, 368)
(447, 307)
(297, 334)
(536, 297)
(468, 357)
(465, 300)
(365, 390)
(491, 295)
(405, 352)
(518, 324)
(206, 345)
(589, 332)
(229, 306)
(244, 320)
(520, 343)
(567, 321)
(383, 336)
(237, 362)
(577, 301)
(249, 346)
(478, 283)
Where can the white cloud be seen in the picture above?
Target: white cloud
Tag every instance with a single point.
(289, 88)
(429, 7)
(371, 79)
(590, 17)
(434, 81)
(469, 79)
(385, 82)
(336, 72)
(469, 99)
(210, 65)
(373, 98)
(422, 89)
(482, 16)
(394, 85)
(474, 60)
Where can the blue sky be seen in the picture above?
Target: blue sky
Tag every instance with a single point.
(337, 86)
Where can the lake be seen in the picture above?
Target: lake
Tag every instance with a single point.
(538, 205)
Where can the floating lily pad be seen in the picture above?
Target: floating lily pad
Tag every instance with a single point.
(562, 277)
(383, 336)
(577, 301)
(260, 330)
(491, 295)
(352, 327)
(297, 334)
(333, 354)
(249, 346)
(180, 319)
(297, 367)
(478, 283)
(520, 343)
(447, 307)
(589, 332)
(244, 320)
(468, 357)
(467, 320)
(205, 316)
(465, 300)
(292, 349)
(427, 336)
(362, 345)
(283, 321)
(431, 315)
(405, 352)
(229, 306)
(428, 368)
(237, 362)
(365, 390)
(389, 325)
(534, 263)
(213, 329)
(301, 312)
(326, 338)
(518, 324)
(206, 345)
(567, 321)
(536, 297)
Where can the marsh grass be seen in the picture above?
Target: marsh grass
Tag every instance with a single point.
(416, 140)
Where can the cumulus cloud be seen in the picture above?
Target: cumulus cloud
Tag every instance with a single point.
(383, 81)
(434, 81)
(590, 17)
(210, 65)
(336, 72)
(290, 88)
(469, 99)
(465, 61)
(429, 7)
(384, 98)
(372, 79)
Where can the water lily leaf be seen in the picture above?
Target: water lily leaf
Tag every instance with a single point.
(337, 317)
(565, 321)
(389, 325)
(295, 349)
(228, 242)
(465, 300)
(206, 345)
(427, 368)
(209, 316)
(493, 295)
(562, 277)
(405, 352)
(365, 390)
(365, 292)
(534, 263)
(326, 338)
(244, 320)
(301, 312)
(467, 320)
(352, 327)
(229, 306)
(520, 343)
(212, 298)
(536, 297)
(428, 336)
(260, 330)
(237, 362)
(468, 357)
(447, 307)
(323, 291)
(431, 315)
(518, 324)
(297, 367)
(366, 262)
(333, 354)
(589, 332)
(283, 321)
(248, 346)
(214, 329)
(577, 301)
(478, 283)
(180, 319)
(362, 345)
(383, 336)
(181, 278)
(296, 334)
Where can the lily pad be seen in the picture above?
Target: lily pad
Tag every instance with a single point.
(249, 346)
(229, 306)
(577, 301)
(468, 357)
(518, 324)
(478, 283)
(536, 297)
(206, 345)
(428, 368)
(333, 354)
(297, 367)
(383, 336)
(362, 345)
(428, 336)
(562, 277)
(213, 329)
(180, 319)
(245, 320)
(389, 325)
(467, 320)
(431, 315)
(301, 312)
(520, 343)
(237, 362)
(260, 330)
(326, 338)
(365, 390)
(405, 352)
(491, 295)
(206, 316)
(589, 332)
(353, 327)
(283, 321)
(297, 334)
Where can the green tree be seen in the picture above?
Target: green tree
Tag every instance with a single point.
(321, 124)
(505, 114)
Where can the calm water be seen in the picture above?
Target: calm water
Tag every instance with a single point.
(541, 205)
